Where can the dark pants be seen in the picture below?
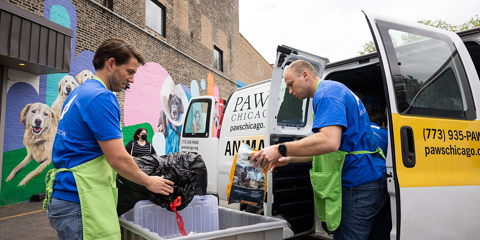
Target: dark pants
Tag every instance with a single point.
(365, 212)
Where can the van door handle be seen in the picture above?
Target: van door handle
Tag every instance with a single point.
(408, 146)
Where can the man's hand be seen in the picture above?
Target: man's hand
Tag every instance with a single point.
(266, 156)
(160, 185)
(280, 163)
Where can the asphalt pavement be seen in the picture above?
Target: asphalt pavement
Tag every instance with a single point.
(27, 220)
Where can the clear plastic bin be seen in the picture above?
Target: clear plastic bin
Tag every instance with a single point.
(201, 215)
(233, 225)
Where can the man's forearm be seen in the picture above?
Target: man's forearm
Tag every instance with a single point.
(325, 141)
(128, 169)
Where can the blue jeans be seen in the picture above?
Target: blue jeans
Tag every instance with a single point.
(66, 218)
(365, 212)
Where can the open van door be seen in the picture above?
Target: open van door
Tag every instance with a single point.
(289, 189)
(434, 145)
(198, 135)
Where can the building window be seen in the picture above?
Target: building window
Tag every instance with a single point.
(155, 15)
(108, 3)
(217, 59)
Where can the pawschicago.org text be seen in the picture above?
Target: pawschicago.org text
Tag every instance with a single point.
(247, 126)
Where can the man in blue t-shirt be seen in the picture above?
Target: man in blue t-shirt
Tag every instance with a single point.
(378, 123)
(340, 123)
(89, 144)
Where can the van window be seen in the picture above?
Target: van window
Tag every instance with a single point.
(428, 75)
(197, 124)
(292, 111)
(474, 51)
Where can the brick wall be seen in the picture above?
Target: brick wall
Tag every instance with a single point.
(193, 27)
(250, 66)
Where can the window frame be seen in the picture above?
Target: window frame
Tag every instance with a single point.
(207, 122)
(163, 9)
(215, 48)
(391, 58)
(307, 103)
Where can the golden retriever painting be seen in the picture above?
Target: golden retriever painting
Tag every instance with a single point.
(40, 127)
(84, 76)
(65, 87)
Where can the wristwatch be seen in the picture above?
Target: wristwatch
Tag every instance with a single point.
(282, 149)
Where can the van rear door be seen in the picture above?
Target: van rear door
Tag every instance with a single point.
(198, 135)
(289, 189)
(434, 153)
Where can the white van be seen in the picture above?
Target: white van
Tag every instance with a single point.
(426, 80)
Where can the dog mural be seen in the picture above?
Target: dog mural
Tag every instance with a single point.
(197, 123)
(174, 102)
(40, 126)
(65, 87)
(84, 76)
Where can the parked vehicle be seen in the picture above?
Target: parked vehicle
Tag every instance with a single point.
(425, 79)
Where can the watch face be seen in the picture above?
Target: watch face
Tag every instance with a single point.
(282, 149)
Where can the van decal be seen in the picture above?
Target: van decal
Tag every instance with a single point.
(432, 133)
(260, 100)
(247, 126)
(231, 149)
(249, 115)
(468, 152)
(185, 147)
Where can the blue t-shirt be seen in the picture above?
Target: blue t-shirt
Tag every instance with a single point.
(335, 104)
(381, 136)
(90, 113)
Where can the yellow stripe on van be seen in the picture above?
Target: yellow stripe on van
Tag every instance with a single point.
(447, 152)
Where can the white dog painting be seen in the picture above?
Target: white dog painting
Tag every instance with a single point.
(65, 87)
(40, 127)
(84, 76)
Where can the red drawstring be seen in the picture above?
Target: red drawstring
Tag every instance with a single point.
(173, 206)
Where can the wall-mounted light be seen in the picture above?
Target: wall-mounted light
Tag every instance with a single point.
(22, 64)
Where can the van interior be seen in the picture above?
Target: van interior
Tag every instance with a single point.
(366, 82)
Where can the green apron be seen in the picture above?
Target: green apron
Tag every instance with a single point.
(326, 178)
(98, 194)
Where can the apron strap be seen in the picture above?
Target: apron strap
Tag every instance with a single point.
(50, 178)
(379, 152)
(49, 181)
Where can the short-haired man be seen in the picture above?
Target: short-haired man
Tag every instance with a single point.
(348, 176)
(88, 151)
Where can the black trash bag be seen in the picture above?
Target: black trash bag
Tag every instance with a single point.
(129, 193)
(188, 172)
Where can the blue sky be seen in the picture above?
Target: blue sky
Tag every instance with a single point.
(336, 29)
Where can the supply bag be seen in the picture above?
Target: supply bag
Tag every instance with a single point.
(247, 184)
(187, 170)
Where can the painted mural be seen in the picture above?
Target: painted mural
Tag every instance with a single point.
(34, 104)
